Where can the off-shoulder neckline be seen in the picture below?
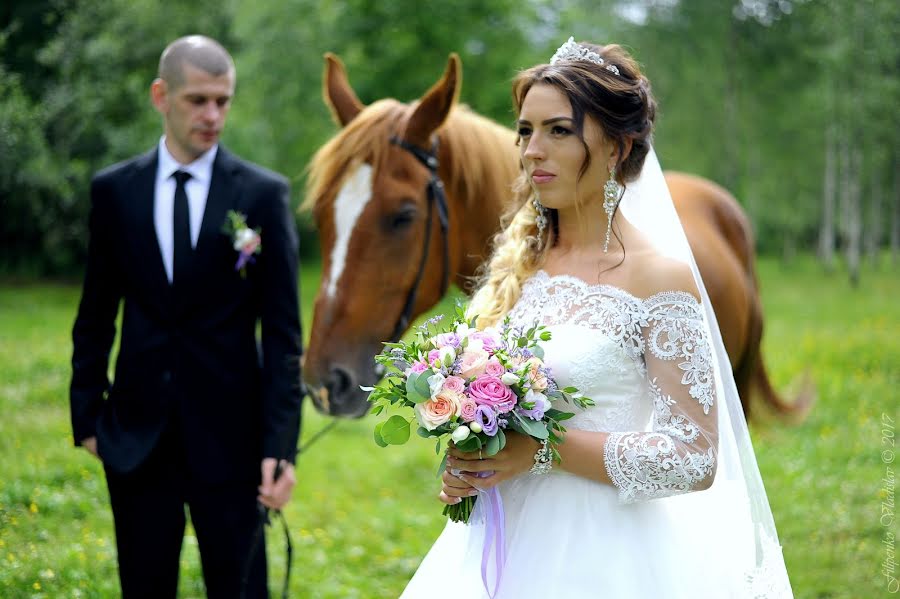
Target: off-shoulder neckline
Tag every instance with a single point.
(607, 287)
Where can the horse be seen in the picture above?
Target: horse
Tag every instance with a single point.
(407, 198)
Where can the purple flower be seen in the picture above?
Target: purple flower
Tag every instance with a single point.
(539, 402)
(487, 418)
(419, 367)
(445, 339)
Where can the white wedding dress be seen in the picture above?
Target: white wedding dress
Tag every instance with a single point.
(646, 364)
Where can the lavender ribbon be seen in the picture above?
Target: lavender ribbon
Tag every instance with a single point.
(494, 535)
(243, 260)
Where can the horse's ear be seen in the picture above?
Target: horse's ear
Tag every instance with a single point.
(435, 104)
(337, 93)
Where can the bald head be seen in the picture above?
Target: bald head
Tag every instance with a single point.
(198, 51)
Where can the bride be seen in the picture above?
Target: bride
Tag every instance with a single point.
(657, 492)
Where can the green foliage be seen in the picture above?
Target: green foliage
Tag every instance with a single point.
(746, 92)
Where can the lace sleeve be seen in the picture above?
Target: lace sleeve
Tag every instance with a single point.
(679, 455)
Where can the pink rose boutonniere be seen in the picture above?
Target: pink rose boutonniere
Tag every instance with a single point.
(246, 241)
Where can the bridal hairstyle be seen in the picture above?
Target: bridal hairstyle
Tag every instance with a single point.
(623, 106)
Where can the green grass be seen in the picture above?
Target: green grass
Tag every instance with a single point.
(362, 517)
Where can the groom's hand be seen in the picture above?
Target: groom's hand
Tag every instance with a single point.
(90, 443)
(274, 494)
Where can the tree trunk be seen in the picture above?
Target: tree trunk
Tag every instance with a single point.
(895, 218)
(872, 234)
(732, 137)
(829, 189)
(854, 215)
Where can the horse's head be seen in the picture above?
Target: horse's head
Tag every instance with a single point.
(375, 194)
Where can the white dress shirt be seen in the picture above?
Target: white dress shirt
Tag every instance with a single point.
(197, 189)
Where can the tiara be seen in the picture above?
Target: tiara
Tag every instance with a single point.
(574, 51)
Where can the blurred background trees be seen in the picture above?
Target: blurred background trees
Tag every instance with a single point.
(790, 104)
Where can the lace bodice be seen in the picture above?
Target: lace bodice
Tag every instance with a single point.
(647, 365)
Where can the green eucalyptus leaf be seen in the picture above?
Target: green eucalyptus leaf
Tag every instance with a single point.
(538, 430)
(493, 445)
(412, 389)
(395, 430)
(443, 465)
(421, 384)
(379, 440)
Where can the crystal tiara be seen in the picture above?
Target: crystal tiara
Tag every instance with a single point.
(574, 51)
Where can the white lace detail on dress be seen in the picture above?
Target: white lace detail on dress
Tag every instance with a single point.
(677, 456)
(563, 299)
(677, 332)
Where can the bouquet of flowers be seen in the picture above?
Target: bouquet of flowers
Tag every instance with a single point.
(468, 387)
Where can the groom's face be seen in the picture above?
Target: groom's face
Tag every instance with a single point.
(194, 111)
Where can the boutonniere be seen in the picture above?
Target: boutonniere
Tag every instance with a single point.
(247, 242)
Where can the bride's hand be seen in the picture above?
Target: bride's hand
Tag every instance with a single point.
(514, 459)
(454, 489)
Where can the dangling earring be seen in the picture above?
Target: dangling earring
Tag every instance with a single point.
(611, 192)
(540, 220)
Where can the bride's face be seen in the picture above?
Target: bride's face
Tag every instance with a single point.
(552, 153)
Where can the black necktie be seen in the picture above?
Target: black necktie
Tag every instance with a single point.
(181, 227)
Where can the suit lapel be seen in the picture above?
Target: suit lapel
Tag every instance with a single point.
(144, 186)
(224, 189)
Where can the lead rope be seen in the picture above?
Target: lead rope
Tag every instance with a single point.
(265, 520)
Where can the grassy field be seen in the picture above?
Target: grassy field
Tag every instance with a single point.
(363, 517)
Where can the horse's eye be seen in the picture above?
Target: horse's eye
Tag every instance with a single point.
(402, 219)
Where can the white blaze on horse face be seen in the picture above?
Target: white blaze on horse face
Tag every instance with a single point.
(351, 199)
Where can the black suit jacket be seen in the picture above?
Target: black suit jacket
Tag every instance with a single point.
(188, 354)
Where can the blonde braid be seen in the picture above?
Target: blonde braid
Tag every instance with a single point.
(516, 257)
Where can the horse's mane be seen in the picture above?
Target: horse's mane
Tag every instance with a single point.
(481, 153)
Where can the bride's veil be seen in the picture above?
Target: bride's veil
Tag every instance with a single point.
(735, 508)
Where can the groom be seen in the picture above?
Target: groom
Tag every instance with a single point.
(199, 414)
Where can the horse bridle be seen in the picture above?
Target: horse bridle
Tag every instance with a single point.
(436, 195)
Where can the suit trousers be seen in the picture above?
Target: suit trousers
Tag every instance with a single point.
(150, 507)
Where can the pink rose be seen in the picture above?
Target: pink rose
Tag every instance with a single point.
(419, 367)
(490, 391)
(473, 362)
(455, 384)
(435, 412)
(489, 339)
(433, 356)
(467, 408)
(494, 368)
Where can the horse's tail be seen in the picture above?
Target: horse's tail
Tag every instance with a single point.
(750, 373)
(752, 369)
(758, 382)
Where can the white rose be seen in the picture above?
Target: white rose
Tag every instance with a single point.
(473, 362)
(509, 379)
(243, 237)
(448, 354)
(475, 345)
(460, 434)
(435, 382)
(539, 399)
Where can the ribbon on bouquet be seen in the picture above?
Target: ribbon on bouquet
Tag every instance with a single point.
(494, 536)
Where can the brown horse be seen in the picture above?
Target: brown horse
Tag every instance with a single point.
(387, 256)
